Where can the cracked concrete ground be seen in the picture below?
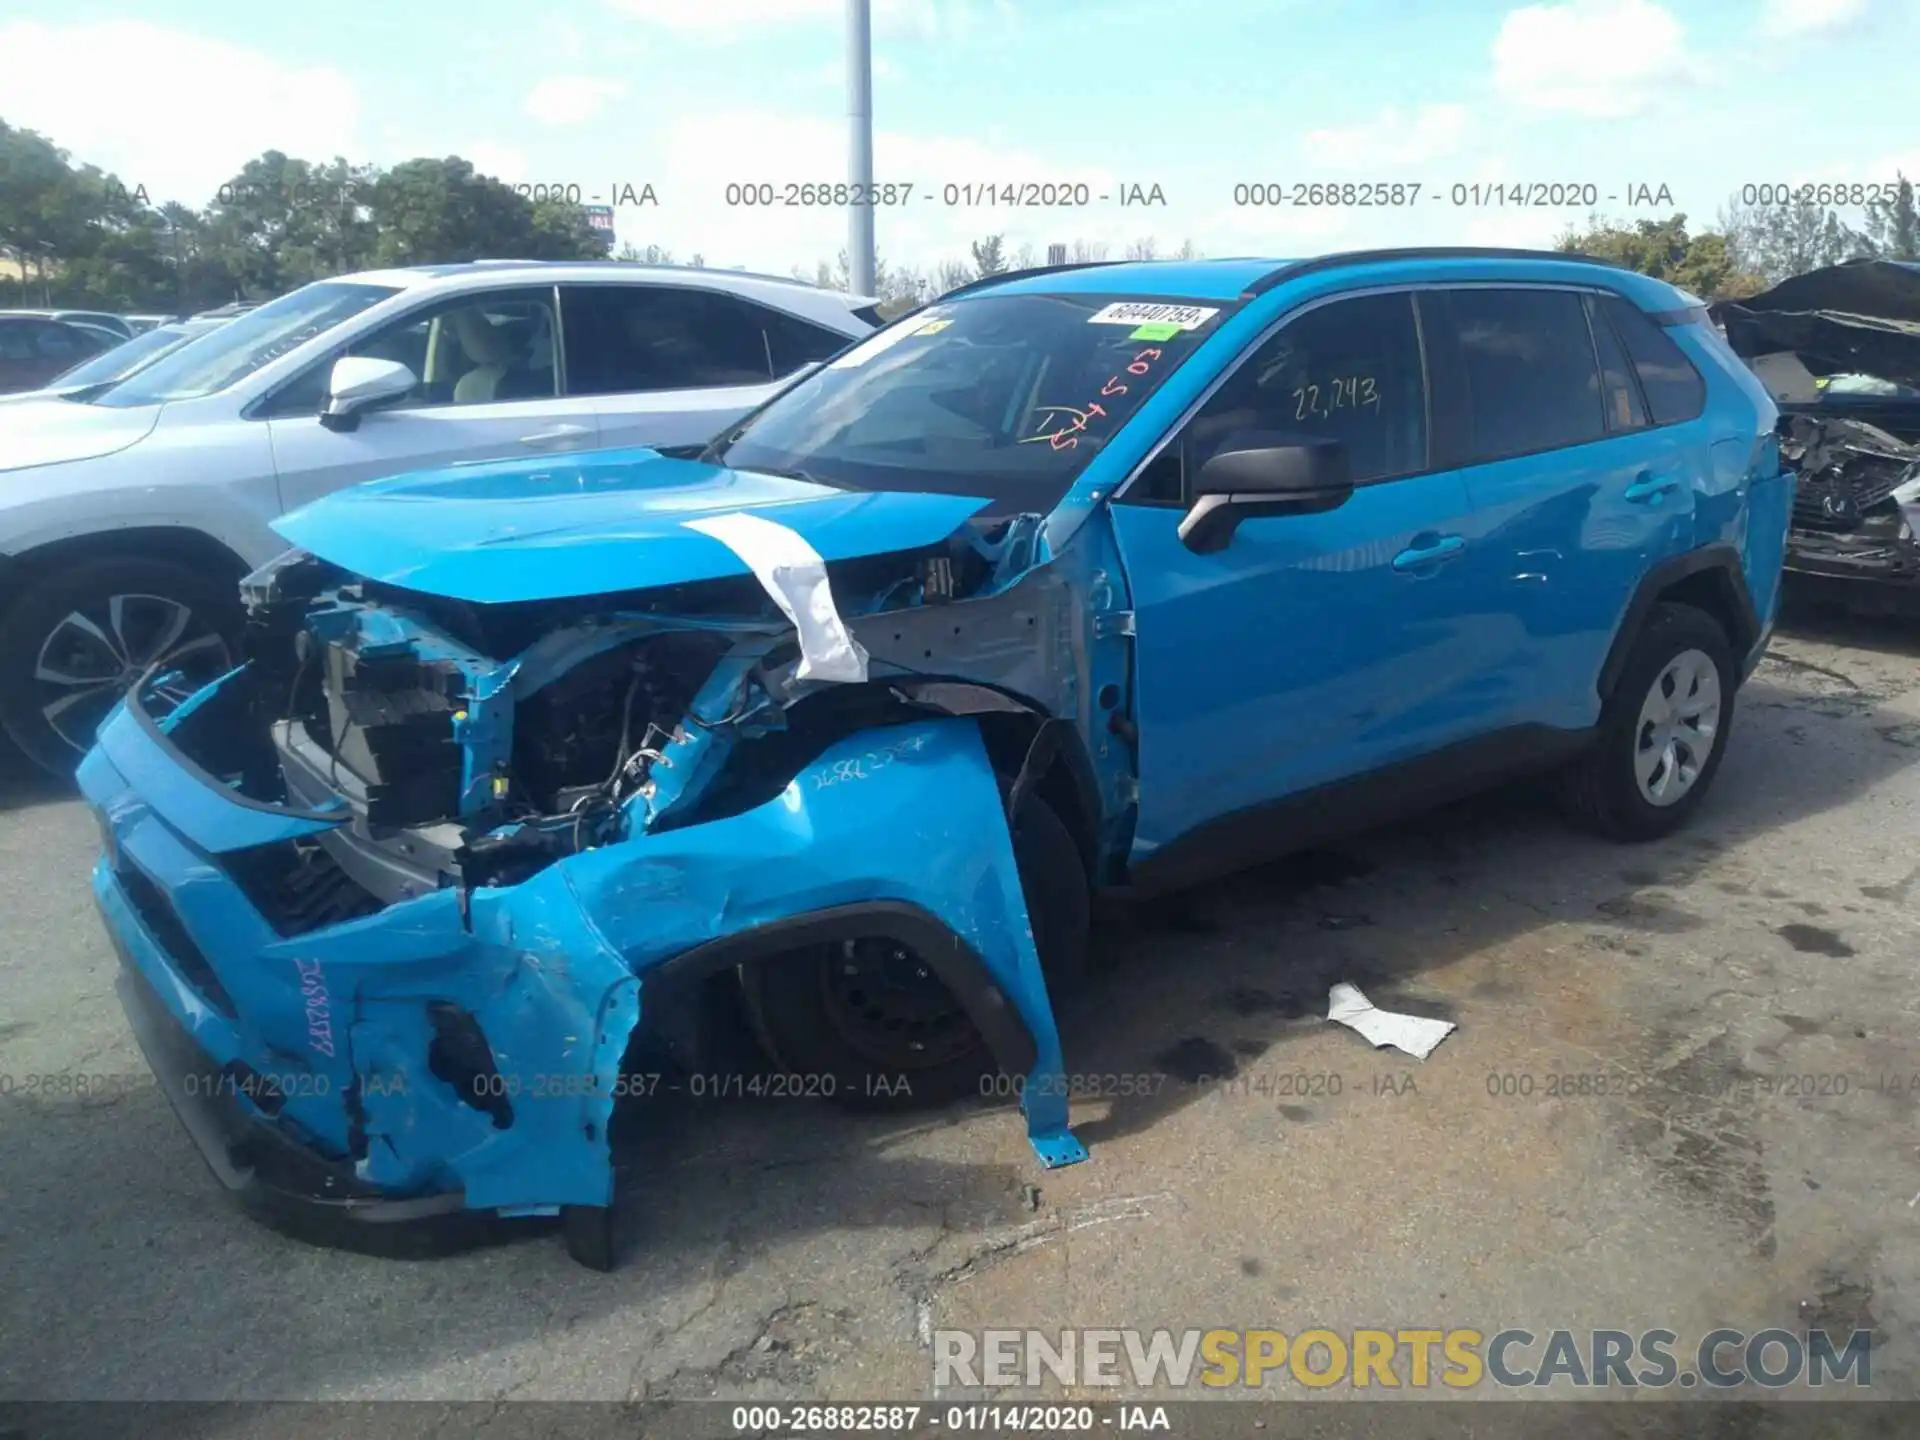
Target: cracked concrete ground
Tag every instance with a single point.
(1270, 1170)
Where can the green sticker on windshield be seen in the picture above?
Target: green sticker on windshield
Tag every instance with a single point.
(1158, 330)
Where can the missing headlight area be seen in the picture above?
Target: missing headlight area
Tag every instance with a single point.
(471, 745)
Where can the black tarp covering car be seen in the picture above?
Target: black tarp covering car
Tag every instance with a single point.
(1839, 351)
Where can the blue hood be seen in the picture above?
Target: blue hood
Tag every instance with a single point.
(591, 524)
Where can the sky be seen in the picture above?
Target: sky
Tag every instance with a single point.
(1613, 101)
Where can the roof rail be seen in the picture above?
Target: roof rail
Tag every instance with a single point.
(1297, 268)
(1004, 275)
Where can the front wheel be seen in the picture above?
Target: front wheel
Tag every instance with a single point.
(78, 639)
(1662, 732)
(872, 1021)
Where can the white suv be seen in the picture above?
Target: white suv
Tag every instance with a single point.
(127, 517)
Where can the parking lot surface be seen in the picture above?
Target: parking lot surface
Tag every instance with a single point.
(1745, 1153)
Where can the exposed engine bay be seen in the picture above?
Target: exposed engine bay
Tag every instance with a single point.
(1839, 351)
(474, 744)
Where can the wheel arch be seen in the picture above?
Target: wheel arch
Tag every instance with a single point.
(179, 543)
(1030, 747)
(1709, 579)
(957, 964)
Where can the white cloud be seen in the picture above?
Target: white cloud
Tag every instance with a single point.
(502, 162)
(1598, 58)
(570, 99)
(730, 17)
(1390, 138)
(1794, 19)
(181, 141)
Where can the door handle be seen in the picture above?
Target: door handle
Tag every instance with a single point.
(1417, 557)
(555, 435)
(1647, 488)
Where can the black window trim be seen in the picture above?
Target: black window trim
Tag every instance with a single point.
(256, 408)
(1121, 492)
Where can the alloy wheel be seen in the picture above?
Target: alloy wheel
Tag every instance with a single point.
(93, 656)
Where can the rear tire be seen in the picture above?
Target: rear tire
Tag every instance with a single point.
(869, 1015)
(99, 624)
(1662, 731)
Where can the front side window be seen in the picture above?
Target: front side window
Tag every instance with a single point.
(1005, 397)
(624, 339)
(477, 349)
(226, 356)
(1675, 391)
(1348, 371)
(1519, 368)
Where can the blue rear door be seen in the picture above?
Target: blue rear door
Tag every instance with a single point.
(1579, 492)
(1312, 647)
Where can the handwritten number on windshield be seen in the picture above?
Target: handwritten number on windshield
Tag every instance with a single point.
(1067, 435)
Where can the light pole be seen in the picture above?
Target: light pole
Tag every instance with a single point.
(860, 264)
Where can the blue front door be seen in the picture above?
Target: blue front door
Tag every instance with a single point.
(1312, 647)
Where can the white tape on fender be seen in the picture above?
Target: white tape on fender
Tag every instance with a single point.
(792, 572)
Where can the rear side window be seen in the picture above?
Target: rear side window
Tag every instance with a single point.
(1515, 372)
(636, 338)
(1619, 395)
(1674, 389)
(64, 343)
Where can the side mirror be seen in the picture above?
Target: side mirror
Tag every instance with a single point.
(1255, 474)
(359, 382)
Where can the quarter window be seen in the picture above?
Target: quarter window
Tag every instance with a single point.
(1674, 389)
(1619, 395)
(635, 338)
(1348, 371)
(1515, 372)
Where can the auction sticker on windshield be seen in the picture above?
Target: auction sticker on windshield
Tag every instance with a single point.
(1140, 312)
(886, 339)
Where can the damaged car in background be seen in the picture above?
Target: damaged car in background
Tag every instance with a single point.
(1097, 579)
(1839, 351)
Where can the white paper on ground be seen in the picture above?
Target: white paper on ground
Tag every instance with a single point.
(1412, 1033)
(793, 573)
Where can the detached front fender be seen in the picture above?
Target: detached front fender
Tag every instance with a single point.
(898, 832)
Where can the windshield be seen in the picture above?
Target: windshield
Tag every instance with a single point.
(126, 357)
(1865, 385)
(241, 346)
(1006, 397)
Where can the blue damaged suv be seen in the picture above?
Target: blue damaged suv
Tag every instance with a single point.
(1092, 579)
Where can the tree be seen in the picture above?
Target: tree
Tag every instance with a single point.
(442, 211)
(1145, 248)
(989, 255)
(951, 275)
(1892, 227)
(1663, 249)
(1776, 241)
(561, 231)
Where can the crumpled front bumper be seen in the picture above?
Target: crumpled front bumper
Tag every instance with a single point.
(334, 1071)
